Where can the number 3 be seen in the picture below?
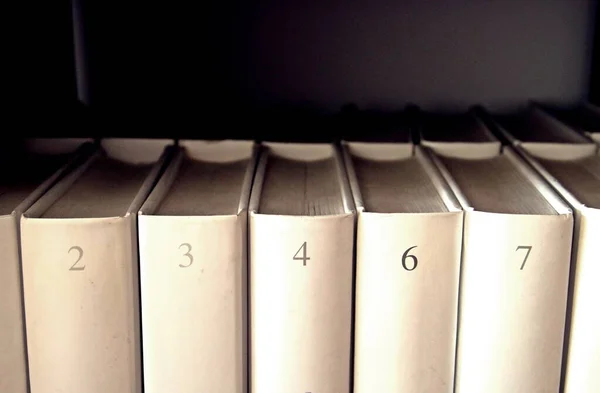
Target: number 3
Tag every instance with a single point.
(187, 254)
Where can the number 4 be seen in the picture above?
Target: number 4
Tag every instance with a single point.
(528, 248)
(303, 258)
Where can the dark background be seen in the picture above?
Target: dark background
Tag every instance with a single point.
(284, 69)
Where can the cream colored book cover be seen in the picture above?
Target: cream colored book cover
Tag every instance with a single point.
(407, 270)
(193, 270)
(573, 170)
(80, 272)
(39, 168)
(302, 225)
(514, 275)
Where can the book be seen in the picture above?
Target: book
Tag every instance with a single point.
(193, 270)
(80, 271)
(462, 134)
(514, 274)
(38, 169)
(573, 170)
(407, 269)
(535, 129)
(583, 118)
(577, 178)
(302, 224)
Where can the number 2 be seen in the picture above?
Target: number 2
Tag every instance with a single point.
(187, 254)
(303, 258)
(528, 248)
(74, 267)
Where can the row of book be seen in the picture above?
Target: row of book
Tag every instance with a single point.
(468, 262)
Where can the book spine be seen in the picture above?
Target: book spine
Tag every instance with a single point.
(514, 280)
(406, 302)
(81, 304)
(13, 375)
(192, 272)
(583, 361)
(301, 273)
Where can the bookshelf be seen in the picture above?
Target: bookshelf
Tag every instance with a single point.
(310, 71)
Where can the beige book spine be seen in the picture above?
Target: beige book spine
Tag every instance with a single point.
(583, 360)
(193, 272)
(81, 288)
(192, 281)
(13, 356)
(513, 295)
(79, 277)
(301, 303)
(406, 301)
(13, 374)
(582, 346)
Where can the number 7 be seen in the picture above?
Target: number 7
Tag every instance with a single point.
(528, 248)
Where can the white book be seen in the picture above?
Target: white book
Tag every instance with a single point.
(573, 170)
(514, 275)
(458, 134)
(407, 270)
(583, 119)
(80, 272)
(576, 176)
(538, 130)
(20, 187)
(193, 270)
(301, 271)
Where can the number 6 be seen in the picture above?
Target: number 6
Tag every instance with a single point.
(414, 258)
